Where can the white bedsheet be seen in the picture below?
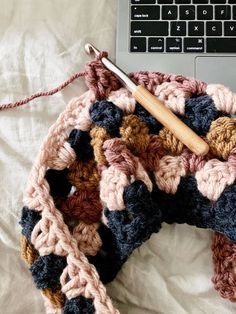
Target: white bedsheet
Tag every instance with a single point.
(41, 44)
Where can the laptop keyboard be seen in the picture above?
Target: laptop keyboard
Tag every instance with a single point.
(183, 26)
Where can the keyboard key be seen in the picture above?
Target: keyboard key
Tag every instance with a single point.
(221, 45)
(156, 44)
(234, 12)
(213, 28)
(205, 12)
(230, 28)
(193, 45)
(173, 44)
(164, 1)
(143, 1)
(178, 28)
(200, 1)
(138, 44)
(182, 1)
(196, 29)
(149, 28)
(222, 12)
(217, 1)
(187, 12)
(232, 1)
(145, 12)
(169, 12)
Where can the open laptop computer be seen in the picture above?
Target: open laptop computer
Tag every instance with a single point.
(190, 37)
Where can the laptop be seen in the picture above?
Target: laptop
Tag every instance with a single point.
(194, 38)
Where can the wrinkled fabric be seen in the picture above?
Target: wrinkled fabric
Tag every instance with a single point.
(42, 44)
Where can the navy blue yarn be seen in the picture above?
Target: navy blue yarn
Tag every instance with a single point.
(225, 213)
(135, 225)
(80, 142)
(58, 182)
(46, 271)
(108, 261)
(189, 206)
(29, 218)
(106, 115)
(78, 305)
(153, 125)
(107, 266)
(199, 114)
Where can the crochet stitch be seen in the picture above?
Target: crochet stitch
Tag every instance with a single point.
(108, 175)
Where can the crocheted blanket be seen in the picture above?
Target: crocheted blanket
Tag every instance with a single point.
(108, 175)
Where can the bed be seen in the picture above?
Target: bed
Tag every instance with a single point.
(41, 45)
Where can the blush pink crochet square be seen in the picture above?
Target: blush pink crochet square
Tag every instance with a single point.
(108, 174)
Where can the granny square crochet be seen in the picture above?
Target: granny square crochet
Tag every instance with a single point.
(109, 174)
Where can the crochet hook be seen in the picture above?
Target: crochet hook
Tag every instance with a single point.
(156, 107)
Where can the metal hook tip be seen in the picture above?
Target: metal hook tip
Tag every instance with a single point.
(90, 49)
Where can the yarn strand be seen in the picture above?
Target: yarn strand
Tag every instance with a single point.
(97, 78)
(51, 92)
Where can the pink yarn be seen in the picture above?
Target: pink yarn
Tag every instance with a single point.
(83, 121)
(99, 79)
(172, 95)
(192, 162)
(51, 234)
(213, 178)
(88, 239)
(232, 160)
(170, 171)
(151, 79)
(224, 99)
(141, 174)
(123, 99)
(112, 184)
(118, 155)
(123, 170)
(224, 258)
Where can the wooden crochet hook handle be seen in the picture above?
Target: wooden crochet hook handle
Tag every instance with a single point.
(166, 117)
(156, 108)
